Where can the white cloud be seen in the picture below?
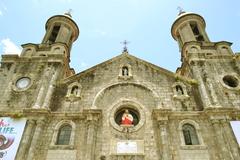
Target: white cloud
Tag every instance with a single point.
(1, 13)
(9, 47)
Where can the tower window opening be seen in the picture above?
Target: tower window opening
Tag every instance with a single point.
(196, 32)
(125, 71)
(179, 90)
(54, 34)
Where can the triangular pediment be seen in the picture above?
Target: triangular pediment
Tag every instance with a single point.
(127, 57)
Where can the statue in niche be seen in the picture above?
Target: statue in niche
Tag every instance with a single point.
(127, 118)
(179, 90)
(74, 90)
(125, 71)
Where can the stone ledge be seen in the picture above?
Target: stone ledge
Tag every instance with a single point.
(128, 157)
(193, 147)
(61, 147)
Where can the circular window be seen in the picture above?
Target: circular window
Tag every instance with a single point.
(230, 81)
(23, 82)
(127, 116)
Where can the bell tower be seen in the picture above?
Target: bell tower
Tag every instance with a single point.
(189, 27)
(213, 64)
(61, 29)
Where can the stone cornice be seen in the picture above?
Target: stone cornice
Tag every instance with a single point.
(53, 58)
(211, 113)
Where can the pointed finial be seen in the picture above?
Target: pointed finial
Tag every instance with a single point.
(68, 13)
(180, 10)
(125, 46)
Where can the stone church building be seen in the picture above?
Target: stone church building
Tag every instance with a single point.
(124, 108)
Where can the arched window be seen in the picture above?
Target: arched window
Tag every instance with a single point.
(54, 34)
(196, 32)
(125, 71)
(179, 90)
(190, 134)
(74, 90)
(64, 135)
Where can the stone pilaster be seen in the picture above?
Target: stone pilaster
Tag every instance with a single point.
(91, 138)
(164, 140)
(50, 89)
(7, 90)
(202, 89)
(220, 142)
(35, 139)
(42, 89)
(230, 139)
(92, 122)
(26, 140)
(213, 93)
(161, 116)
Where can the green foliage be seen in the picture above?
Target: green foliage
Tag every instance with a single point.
(187, 80)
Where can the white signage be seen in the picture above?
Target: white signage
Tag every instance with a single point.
(236, 130)
(11, 131)
(127, 147)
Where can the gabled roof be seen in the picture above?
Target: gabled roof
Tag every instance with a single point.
(126, 55)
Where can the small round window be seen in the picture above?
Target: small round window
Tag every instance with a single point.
(230, 81)
(127, 116)
(23, 83)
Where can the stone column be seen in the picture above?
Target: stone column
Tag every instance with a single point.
(42, 89)
(164, 140)
(35, 139)
(203, 93)
(220, 142)
(7, 90)
(91, 139)
(50, 89)
(230, 139)
(213, 93)
(26, 140)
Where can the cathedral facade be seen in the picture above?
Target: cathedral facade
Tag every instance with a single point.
(124, 108)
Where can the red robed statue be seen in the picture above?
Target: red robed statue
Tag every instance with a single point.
(127, 118)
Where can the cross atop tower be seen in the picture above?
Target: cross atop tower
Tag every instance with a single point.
(180, 10)
(68, 13)
(125, 43)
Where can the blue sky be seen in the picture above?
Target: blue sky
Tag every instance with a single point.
(104, 24)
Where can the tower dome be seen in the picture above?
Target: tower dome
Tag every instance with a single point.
(189, 27)
(61, 29)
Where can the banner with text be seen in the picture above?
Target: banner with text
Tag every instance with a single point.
(11, 131)
(236, 130)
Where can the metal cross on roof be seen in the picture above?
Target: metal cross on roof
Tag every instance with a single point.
(125, 43)
(69, 12)
(180, 10)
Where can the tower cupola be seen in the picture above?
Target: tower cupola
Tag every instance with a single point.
(189, 27)
(61, 29)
